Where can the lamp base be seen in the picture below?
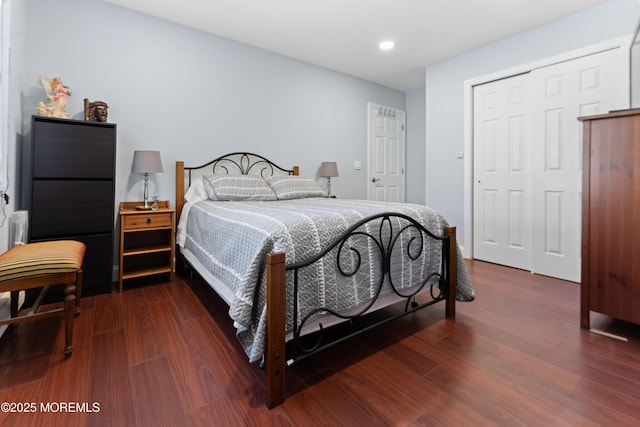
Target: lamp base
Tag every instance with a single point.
(143, 208)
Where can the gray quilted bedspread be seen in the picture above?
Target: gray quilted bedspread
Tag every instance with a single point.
(231, 240)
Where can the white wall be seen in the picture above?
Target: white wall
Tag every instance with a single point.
(445, 83)
(192, 95)
(17, 10)
(415, 166)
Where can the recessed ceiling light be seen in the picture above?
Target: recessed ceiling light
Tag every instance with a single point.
(386, 45)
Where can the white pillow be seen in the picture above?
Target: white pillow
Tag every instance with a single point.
(237, 187)
(196, 192)
(295, 187)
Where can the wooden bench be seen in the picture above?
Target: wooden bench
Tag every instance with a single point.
(44, 264)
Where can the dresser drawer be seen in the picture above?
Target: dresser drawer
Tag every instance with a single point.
(141, 222)
(70, 208)
(73, 149)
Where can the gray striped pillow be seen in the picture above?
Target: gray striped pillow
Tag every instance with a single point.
(295, 187)
(237, 187)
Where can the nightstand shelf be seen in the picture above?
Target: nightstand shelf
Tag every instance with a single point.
(146, 250)
(147, 241)
(146, 272)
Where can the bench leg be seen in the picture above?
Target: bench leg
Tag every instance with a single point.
(13, 312)
(69, 314)
(78, 292)
(15, 295)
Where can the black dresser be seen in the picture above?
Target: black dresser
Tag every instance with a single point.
(71, 191)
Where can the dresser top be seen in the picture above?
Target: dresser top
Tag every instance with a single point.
(618, 113)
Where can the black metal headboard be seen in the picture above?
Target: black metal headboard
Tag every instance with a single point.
(239, 163)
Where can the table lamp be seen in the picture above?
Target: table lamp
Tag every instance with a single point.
(327, 170)
(146, 162)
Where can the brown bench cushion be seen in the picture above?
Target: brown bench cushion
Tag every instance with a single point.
(34, 259)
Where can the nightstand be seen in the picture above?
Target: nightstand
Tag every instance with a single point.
(147, 241)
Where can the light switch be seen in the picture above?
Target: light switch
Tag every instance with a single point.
(357, 165)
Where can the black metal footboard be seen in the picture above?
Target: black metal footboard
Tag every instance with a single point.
(385, 255)
(401, 255)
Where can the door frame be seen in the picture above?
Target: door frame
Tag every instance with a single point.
(623, 43)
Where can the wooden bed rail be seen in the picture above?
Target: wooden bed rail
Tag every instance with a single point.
(450, 310)
(179, 188)
(276, 325)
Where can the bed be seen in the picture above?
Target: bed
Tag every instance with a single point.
(290, 262)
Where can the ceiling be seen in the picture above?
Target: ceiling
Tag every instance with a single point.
(343, 35)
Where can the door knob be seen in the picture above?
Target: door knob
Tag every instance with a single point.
(375, 179)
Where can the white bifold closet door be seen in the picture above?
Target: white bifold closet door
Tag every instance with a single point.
(527, 145)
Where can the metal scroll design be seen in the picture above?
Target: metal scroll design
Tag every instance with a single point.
(391, 236)
(244, 164)
(241, 163)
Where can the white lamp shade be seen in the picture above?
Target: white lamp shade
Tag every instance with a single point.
(146, 162)
(328, 169)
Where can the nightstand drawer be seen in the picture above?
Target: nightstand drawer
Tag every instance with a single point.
(155, 220)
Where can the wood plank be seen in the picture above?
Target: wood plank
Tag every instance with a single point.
(224, 366)
(108, 313)
(140, 330)
(192, 381)
(111, 383)
(155, 395)
(187, 304)
(27, 352)
(28, 392)
(67, 380)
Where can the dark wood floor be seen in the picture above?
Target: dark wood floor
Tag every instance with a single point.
(165, 355)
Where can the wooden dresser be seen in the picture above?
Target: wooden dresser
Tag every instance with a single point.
(71, 191)
(611, 216)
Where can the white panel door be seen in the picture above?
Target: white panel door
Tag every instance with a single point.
(527, 161)
(386, 130)
(502, 172)
(561, 93)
